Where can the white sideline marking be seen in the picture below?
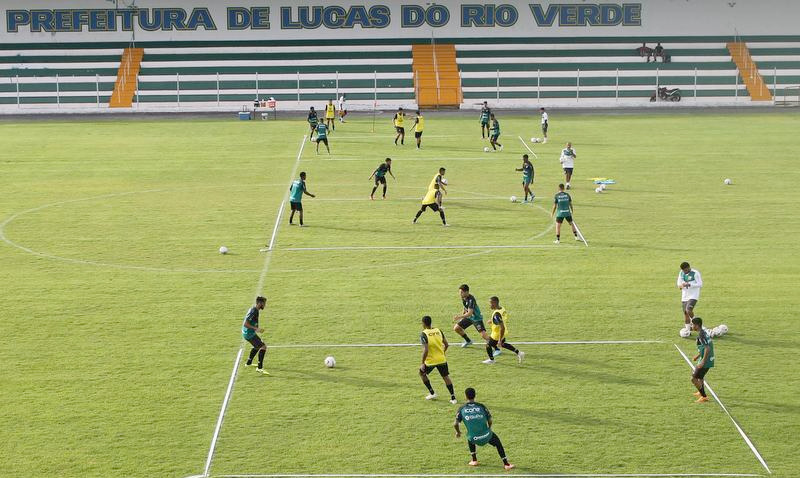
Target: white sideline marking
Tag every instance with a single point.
(277, 224)
(722, 406)
(562, 475)
(264, 269)
(527, 147)
(403, 248)
(573, 342)
(372, 159)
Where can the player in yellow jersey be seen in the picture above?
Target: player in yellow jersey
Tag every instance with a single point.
(399, 122)
(330, 115)
(499, 333)
(419, 125)
(433, 198)
(434, 348)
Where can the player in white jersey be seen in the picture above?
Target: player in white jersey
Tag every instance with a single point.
(342, 108)
(690, 283)
(544, 125)
(568, 162)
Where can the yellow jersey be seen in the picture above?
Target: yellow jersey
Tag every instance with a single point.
(435, 340)
(329, 111)
(431, 196)
(420, 124)
(499, 316)
(399, 119)
(434, 181)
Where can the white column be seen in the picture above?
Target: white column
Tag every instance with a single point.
(298, 87)
(178, 87)
(337, 85)
(97, 88)
(539, 85)
(374, 89)
(17, 91)
(217, 88)
(498, 85)
(695, 85)
(58, 92)
(578, 86)
(616, 87)
(257, 92)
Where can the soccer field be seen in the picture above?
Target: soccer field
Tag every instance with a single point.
(121, 321)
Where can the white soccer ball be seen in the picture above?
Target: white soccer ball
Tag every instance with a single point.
(513, 198)
(603, 187)
(728, 181)
(723, 329)
(713, 332)
(330, 362)
(685, 333)
(486, 149)
(598, 190)
(535, 140)
(444, 181)
(223, 250)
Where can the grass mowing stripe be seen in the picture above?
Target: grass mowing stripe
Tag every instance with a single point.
(260, 286)
(722, 406)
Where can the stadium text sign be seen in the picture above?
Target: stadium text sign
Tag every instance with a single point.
(301, 17)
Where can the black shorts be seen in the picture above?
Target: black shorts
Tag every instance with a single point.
(400, 130)
(433, 206)
(380, 180)
(256, 342)
(417, 134)
(296, 206)
(699, 373)
(568, 170)
(323, 140)
(544, 128)
(484, 123)
(494, 138)
(464, 323)
(561, 219)
(688, 305)
(442, 368)
(313, 127)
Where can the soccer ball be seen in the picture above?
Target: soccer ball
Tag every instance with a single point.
(598, 190)
(603, 187)
(713, 332)
(723, 329)
(444, 181)
(486, 149)
(330, 362)
(513, 198)
(535, 140)
(223, 250)
(728, 181)
(685, 333)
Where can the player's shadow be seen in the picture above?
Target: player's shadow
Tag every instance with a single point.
(756, 342)
(555, 415)
(339, 376)
(602, 377)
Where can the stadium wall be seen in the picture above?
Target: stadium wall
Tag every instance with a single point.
(207, 55)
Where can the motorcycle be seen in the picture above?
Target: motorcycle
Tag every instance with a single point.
(667, 94)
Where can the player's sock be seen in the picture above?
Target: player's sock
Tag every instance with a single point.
(252, 356)
(261, 354)
(703, 390)
(419, 213)
(373, 191)
(500, 450)
(452, 392)
(510, 347)
(489, 352)
(466, 339)
(441, 214)
(558, 237)
(474, 456)
(428, 385)
(384, 190)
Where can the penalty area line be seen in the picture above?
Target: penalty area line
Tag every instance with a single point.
(725, 409)
(572, 342)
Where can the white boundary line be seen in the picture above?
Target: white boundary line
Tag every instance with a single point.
(574, 342)
(403, 248)
(527, 147)
(722, 406)
(544, 475)
(259, 287)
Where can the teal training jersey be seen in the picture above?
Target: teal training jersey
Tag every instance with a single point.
(476, 418)
(704, 342)
(252, 319)
(322, 131)
(485, 115)
(471, 303)
(562, 201)
(312, 119)
(495, 127)
(527, 171)
(296, 191)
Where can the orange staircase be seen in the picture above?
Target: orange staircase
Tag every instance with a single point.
(437, 82)
(125, 87)
(748, 70)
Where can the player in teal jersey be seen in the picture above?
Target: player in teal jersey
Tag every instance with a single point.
(704, 359)
(495, 133)
(296, 191)
(380, 177)
(485, 112)
(322, 136)
(527, 177)
(250, 331)
(478, 422)
(562, 209)
(313, 121)
(470, 316)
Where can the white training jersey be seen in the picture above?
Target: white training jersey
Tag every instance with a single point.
(568, 158)
(341, 103)
(544, 118)
(695, 283)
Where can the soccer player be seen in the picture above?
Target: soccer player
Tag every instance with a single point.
(485, 112)
(689, 282)
(495, 133)
(419, 125)
(499, 326)
(568, 162)
(399, 122)
(544, 125)
(434, 348)
(470, 316)
(342, 108)
(250, 331)
(704, 359)
(313, 121)
(380, 177)
(478, 422)
(562, 209)
(322, 136)
(296, 191)
(432, 200)
(330, 115)
(527, 177)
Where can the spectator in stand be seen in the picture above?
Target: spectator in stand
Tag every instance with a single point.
(645, 50)
(658, 51)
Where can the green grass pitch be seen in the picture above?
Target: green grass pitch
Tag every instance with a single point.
(120, 321)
